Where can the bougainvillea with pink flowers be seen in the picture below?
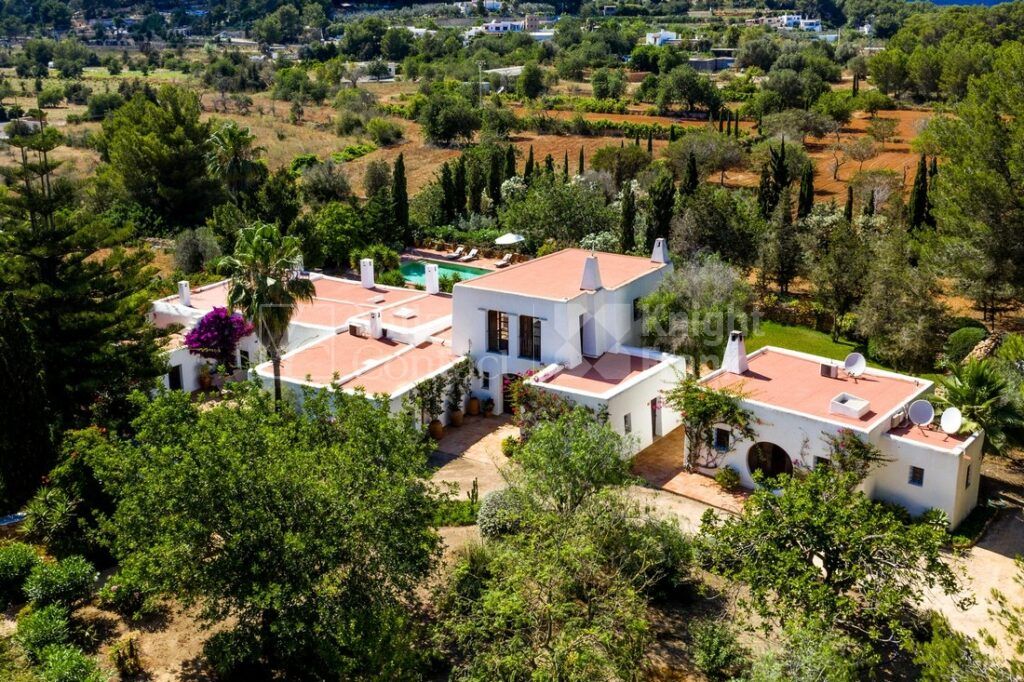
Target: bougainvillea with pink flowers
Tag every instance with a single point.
(216, 336)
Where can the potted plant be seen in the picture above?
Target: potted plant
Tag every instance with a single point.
(430, 395)
(488, 406)
(473, 407)
(205, 377)
(459, 379)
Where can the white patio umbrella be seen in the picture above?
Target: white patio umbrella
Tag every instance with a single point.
(509, 239)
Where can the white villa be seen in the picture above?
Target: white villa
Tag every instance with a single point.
(798, 399)
(569, 319)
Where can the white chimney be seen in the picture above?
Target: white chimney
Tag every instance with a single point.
(430, 279)
(591, 275)
(185, 293)
(660, 252)
(376, 328)
(735, 358)
(366, 272)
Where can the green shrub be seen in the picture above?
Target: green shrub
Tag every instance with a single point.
(715, 651)
(391, 278)
(68, 582)
(510, 446)
(501, 514)
(65, 663)
(728, 478)
(384, 132)
(302, 162)
(961, 342)
(383, 258)
(353, 152)
(42, 628)
(232, 654)
(16, 562)
(126, 594)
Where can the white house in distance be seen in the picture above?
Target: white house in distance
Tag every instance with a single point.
(798, 399)
(572, 320)
(662, 37)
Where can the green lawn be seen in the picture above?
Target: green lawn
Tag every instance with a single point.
(807, 340)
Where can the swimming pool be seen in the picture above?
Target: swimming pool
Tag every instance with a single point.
(412, 270)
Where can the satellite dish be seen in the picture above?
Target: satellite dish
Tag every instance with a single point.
(921, 412)
(855, 364)
(951, 421)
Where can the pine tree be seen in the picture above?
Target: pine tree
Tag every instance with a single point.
(400, 200)
(459, 186)
(582, 169)
(494, 180)
(627, 220)
(805, 199)
(26, 433)
(650, 142)
(510, 161)
(81, 307)
(528, 168)
(691, 180)
(565, 167)
(848, 208)
(918, 206)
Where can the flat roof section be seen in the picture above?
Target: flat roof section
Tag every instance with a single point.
(934, 437)
(598, 375)
(403, 370)
(794, 382)
(340, 354)
(414, 312)
(558, 275)
(347, 291)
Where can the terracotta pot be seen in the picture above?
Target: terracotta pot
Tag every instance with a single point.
(474, 406)
(205, 381)
(455, 418)
(436, 429)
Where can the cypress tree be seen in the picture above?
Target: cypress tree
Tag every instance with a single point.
(672, 133)
(581, 169)
(691, 180)
(869, 207)
(528, 168)
(728, 123)
(933, 169)
(549, 164)
(736, 127)
(447, 194)
(459, 187)
(721, 122)
(636, 141)
(494, 180)
(848, 209)
(475, 186)
(565, 167)
(918, 206)
(627, 220)
(662, 196)
(510, 161)
(400, 200)
(805, 199)
(785, 244)
(650, 142)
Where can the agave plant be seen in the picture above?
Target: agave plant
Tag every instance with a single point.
(986, 400)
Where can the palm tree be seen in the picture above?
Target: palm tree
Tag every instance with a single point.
(233, 157)
(264, 286)
(985, 399)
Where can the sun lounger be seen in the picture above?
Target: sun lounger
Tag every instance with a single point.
(505, 261)
(457, 253)
(469, 256)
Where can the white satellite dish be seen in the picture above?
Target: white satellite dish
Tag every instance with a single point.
(951, 421)
(921, 413)
(855, 364)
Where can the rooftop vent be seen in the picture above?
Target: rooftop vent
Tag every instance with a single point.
(376, 327)
(591, 275)
(185, 293)
(405, 313)
(849, 406)
(660, 252)
(431, 281)
(366, 272)
(828, 370)
(378, 299)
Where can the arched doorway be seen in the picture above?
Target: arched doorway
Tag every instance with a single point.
(769, 459)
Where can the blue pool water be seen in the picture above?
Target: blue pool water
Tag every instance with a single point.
(413, 270)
